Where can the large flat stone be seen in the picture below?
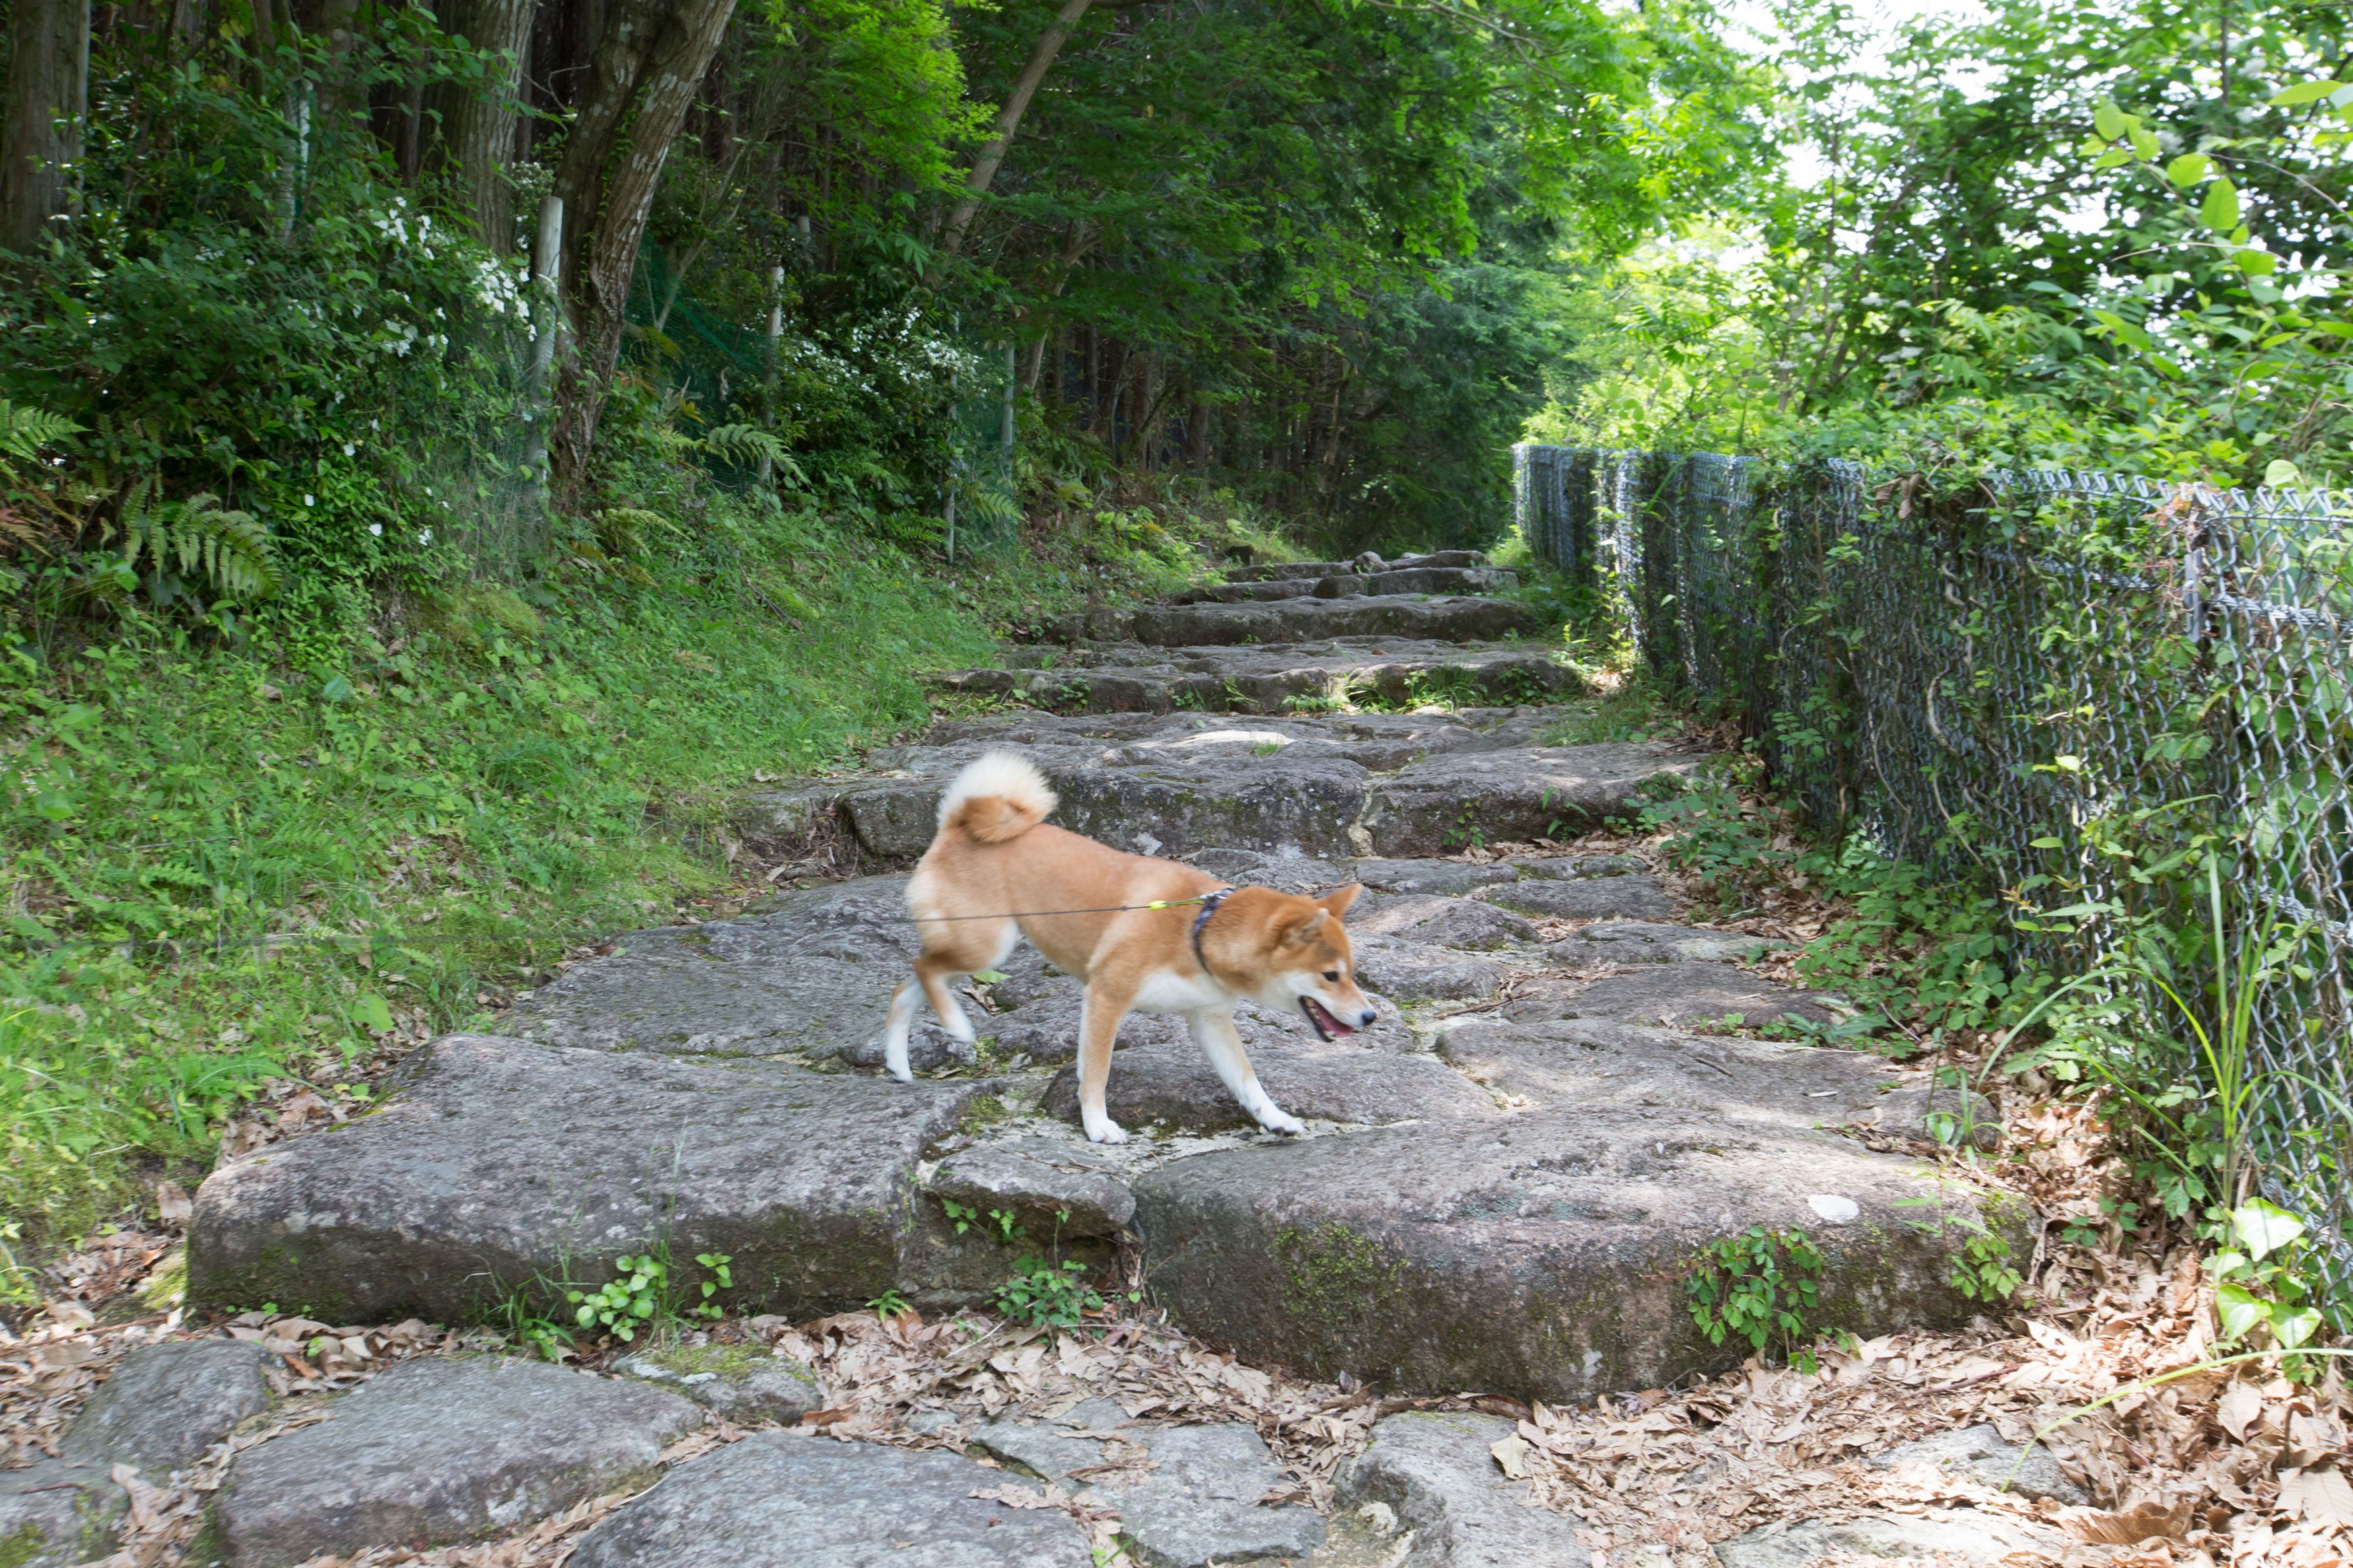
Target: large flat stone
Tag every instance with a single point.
(1431, 1475)
(54, 1513)
(1681, 993)
(1174, 1087)
(1418, 972)
(166, 1404)
(744, 1383)
(1640, 941)
(506, 1163)
(1439, 921)
(1187, 1496)
(811, 976)
(1306, 620)
(1450, 879)
(1541, 1255)
(1636, 896)
(781, 1500)
(1269, 680)
(1198, 1506)
(1982, 1454)
(1445, 803)
(436, 1451)
(1065, 1190)
(1940, 1535)
(1595, 1062)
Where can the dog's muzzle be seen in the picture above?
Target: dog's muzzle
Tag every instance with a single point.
(1326, 1022)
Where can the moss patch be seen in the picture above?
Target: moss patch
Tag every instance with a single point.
(1334, 1278)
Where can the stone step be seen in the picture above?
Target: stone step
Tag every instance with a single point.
(1128, 678)
(1273, 570)
(1353, 585)
(1295, 620)
(1344, 784)
(1536, 1179)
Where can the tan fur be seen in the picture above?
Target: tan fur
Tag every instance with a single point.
(994, 856)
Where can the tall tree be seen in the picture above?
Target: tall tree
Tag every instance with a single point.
(1009, 120)
(648, 66)
(476, 140)
(48, 100)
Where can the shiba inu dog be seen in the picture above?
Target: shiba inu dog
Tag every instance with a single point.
(995, 872)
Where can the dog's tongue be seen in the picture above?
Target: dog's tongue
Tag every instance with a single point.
(1325, 1016)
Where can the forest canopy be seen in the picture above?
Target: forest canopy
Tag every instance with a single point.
(285, 276)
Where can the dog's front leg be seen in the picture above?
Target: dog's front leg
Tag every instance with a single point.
(895, 1030)
(1213, 1031)
(1099, 1018)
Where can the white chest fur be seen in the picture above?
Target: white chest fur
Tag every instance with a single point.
(1164, 992)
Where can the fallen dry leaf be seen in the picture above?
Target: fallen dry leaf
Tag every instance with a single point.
(2133, 1526)
(2240, 1407)
(1511, 1453)
(2317, 1497)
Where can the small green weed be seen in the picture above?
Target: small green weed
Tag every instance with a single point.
(628, 1302)
(1758, 1286)
(1005, 1223)
(1048, 1294)
(2264, 1284)
(1982, 1270)
(889, 1304)
(722, 1279)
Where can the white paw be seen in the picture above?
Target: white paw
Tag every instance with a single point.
(1277, 1121)
(959, 1029)
(1103, 1129)
(895, 1063)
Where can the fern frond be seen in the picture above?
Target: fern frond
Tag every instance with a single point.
(231, 549)
(25, 431)
(744, 444)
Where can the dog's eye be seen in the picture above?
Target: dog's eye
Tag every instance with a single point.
(1331, 974)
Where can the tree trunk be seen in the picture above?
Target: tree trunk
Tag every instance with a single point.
(48, 100)
(647, 64)
(1009, 120)
(477, 130)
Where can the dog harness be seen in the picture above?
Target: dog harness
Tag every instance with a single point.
(1200, 922)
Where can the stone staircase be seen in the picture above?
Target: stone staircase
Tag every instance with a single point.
(1310, 634)
(1502, 1187)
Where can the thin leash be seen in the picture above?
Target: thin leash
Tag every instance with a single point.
(1101, 910)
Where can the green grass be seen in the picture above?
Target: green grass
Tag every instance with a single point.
(450, 795)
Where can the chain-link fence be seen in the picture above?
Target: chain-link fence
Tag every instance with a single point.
(2033, 683)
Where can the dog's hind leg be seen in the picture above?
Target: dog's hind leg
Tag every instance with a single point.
(1099, 1018)
(895, 1029)
(1213, 1031)
(977, 947)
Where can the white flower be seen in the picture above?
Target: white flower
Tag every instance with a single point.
(375, 527)
(426, 537)
(349, 448)
(310, 500)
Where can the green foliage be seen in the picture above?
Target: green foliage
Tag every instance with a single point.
(1758, 1286)
(2048, 235)
(2263, 1284)
(889, 1304)
(722, 1278)
(1048, 1294)
(183, 537)
(1903, 944)
(637, 1297)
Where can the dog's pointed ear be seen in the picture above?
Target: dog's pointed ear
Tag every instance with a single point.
(1339, 899)
(1303, 931)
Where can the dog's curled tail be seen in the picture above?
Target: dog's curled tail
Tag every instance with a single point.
(999, 797)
